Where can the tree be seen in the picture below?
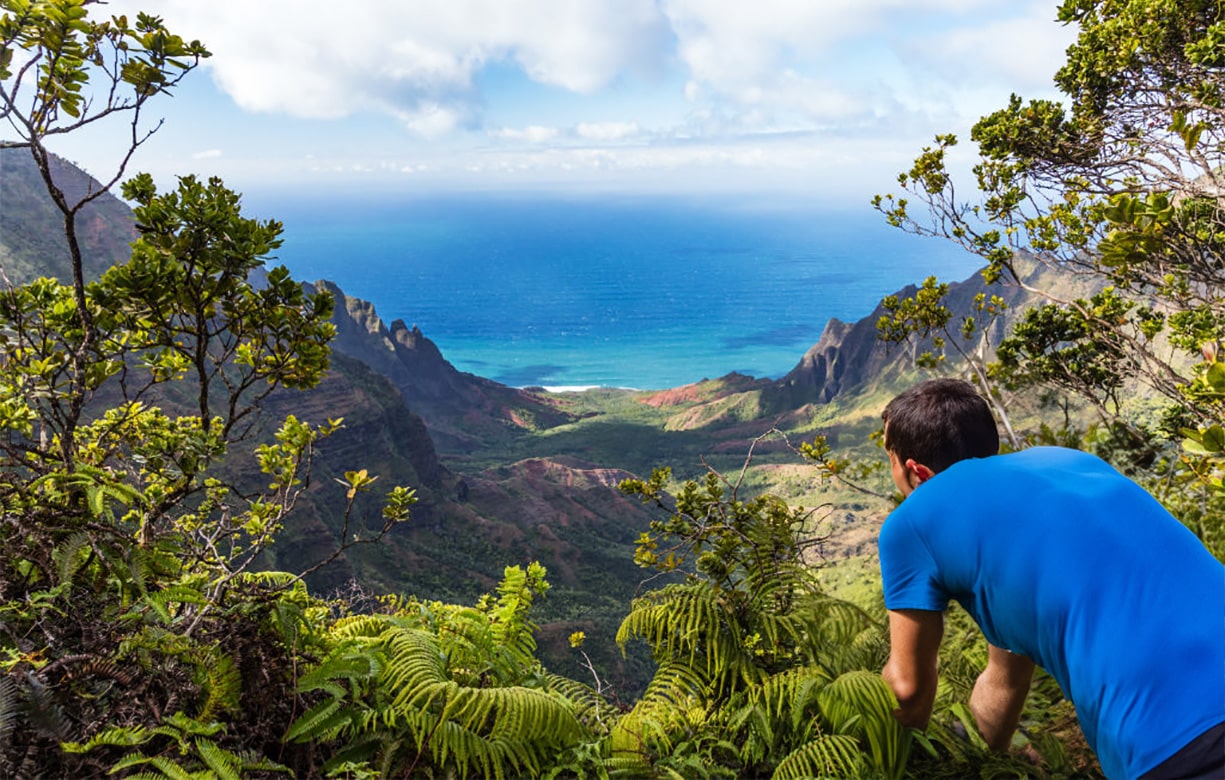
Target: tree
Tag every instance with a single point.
(1122, 185)
(134, 630)
(61, 72)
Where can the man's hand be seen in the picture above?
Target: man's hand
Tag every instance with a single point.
(914, 644)
(999, 696)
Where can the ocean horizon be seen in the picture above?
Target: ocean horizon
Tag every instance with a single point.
(653, 292)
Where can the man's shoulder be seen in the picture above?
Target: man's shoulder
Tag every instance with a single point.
(999, 482)
(976, 473)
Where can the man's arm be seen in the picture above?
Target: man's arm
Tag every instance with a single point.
(914, 644)
(999, 695)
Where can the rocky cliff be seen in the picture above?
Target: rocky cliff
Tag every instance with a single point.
(850, 357)
(463, 412)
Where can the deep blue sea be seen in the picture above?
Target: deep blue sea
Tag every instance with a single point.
(644, 292)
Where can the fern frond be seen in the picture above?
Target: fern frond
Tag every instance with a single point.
(827, 756)
(254, 762)
(323, 722)
(626, 765)
(10, 701)
(863, 702)
(680, 622)
(675, 685)
(165, 766)
(43, 712)
(589, 706)
(222, 685)
(515, 713)
(170, 769)
(360, 750)
(792, 693)
(71, 555)
(351, 661)
(488, 730)
(357, 626)
(121, 736)
(661, 716)
(853, 694)
(161, 600)
(839, 621)
(224, 764)
(778, 585)
(416, 672)
(472, 754)
(869, 649)
(276, 579)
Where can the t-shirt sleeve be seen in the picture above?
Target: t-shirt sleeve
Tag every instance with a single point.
(908, 571)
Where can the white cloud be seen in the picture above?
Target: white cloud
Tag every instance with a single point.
(606, 131)
(778, 64)
(431, 120)
(1023, 51)
(419, 61)
(207, 154)
(535, 134)
(709, 84)
(416, 60)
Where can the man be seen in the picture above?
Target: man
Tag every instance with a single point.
(1063, 562)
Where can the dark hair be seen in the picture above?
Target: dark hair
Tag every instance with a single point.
(940, 422)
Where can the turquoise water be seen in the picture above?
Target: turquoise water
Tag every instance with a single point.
(629, 292)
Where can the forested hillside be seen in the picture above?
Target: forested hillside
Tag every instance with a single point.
(206, 572)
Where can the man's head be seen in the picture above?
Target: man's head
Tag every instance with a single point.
(933, 425)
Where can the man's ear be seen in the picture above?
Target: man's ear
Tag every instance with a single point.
(921, 473)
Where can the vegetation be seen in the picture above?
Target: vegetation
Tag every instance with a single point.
(1121, 187)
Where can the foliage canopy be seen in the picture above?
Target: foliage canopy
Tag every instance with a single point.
(1120, 186)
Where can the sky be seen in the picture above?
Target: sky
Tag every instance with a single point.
(825, 98)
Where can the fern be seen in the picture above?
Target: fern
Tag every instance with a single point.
(789, 696)
(393, 688)
(166, 767)
(675, 684)
(687, 623)
(224, 764)
(222, 685)
(862, 702)
(361, 751)
(284, 580)
(357, 626)
(9, 705)
(72, 555)
(322, 722)
(122, 736)
(827, 756)
(509, 626)
(589, 707)
(178, 593)
(200, 758)
(43, 712)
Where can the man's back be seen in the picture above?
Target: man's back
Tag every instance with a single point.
(1060, 558)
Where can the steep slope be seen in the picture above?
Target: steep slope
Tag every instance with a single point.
(463, 412)
(850, 361)
(32, 239)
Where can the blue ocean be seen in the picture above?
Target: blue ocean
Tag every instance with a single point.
(643, 292)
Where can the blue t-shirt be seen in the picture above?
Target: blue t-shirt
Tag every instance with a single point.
(1060, 558)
